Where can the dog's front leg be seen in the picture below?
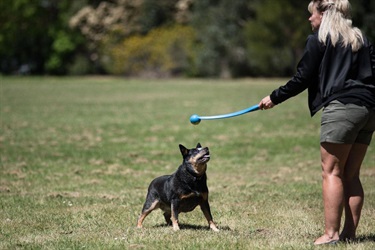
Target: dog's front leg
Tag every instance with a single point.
(174, 217)
(205, 207)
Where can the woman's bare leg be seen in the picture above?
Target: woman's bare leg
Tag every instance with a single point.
(333, 157)
(354, 195)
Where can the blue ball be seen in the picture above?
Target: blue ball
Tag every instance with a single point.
(194, 119)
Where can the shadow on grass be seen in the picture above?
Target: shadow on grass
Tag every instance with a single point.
(184, 226)
(361, 239)
(365, 238)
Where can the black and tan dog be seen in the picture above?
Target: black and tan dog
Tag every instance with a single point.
(182, 191)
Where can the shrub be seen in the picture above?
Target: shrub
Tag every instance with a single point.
(166, 51)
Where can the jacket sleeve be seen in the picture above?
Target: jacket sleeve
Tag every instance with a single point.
(307, 71)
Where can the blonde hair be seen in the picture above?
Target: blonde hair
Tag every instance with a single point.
(337, 23)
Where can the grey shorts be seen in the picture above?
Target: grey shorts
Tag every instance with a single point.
(347, 123)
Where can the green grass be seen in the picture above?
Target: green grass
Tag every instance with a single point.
(77, 155)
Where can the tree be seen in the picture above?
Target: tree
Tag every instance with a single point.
(218, 25)
(364, 17)
(275, 37)
(154, 14)
(231, 38)
(106, 25)
(35, 37)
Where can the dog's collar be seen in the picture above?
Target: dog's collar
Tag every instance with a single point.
(193, 174)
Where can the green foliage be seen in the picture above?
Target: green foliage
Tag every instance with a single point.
(154, 14)
(35, 35)
(364, 17)
(61, 46)
(80, 66)
(275, 37)
(232, 38)
(218, 25)
(162, 52)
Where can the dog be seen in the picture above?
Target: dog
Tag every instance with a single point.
(182, 191)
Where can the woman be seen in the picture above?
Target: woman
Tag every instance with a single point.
(338, 69)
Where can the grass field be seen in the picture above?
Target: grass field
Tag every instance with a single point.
(77, 155)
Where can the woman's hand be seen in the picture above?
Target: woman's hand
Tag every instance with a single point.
(266, 103)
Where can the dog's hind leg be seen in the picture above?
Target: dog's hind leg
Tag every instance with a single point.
(147, 209)
(167, 217)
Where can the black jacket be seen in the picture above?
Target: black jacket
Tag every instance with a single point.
(332, 73)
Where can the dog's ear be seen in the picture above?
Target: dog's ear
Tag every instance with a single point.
(184, 151)
(198, 145)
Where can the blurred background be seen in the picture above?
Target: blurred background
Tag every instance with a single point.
(163, 38)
